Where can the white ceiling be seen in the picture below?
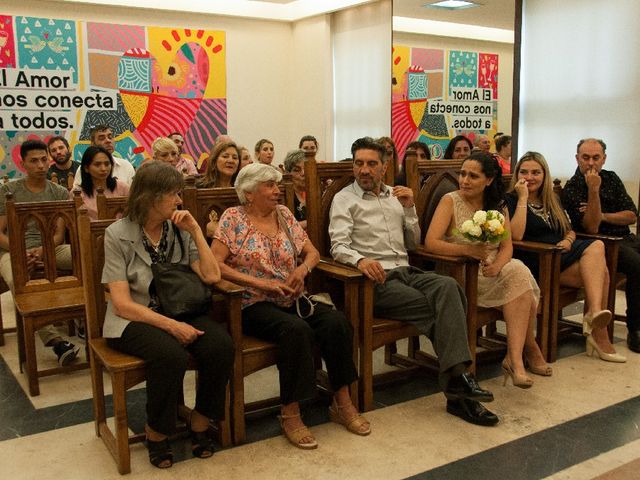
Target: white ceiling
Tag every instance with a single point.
(492, 13)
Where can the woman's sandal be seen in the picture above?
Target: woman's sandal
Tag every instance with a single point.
(296, 436)
(160, 454)
(201, 444)
(354, 424)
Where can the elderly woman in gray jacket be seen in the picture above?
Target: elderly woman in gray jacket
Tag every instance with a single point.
(135, 325)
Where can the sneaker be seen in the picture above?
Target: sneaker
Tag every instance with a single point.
(66, 352)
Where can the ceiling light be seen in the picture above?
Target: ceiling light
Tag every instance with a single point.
(451, 4)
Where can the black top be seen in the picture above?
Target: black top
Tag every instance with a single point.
(613, 198)
(63, 174)
(539, 230)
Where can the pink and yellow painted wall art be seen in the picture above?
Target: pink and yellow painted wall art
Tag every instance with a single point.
(438, 94)
(160, 80)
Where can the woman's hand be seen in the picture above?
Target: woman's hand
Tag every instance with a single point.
(491, 270)
(183, 332)
(296, 279)
(185, 221)
(521, 189)
(277, 287)
(565, 244)
(479, 251)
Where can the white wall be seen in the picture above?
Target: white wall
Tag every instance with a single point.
(505, 64)
(580, 78)
(361, 39)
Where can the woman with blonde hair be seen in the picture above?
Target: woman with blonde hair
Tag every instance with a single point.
(537, 215)
(166, 150)
(264, 151)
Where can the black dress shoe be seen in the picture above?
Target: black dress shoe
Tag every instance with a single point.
(633, 341)
(472, 412)
(466, 386)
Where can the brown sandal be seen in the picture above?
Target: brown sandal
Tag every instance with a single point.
(296, 436)
(353, 424)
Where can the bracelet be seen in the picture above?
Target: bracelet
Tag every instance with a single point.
(521, 206)
(308, 269)
(569, 239)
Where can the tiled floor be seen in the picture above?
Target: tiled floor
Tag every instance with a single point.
(581, 423)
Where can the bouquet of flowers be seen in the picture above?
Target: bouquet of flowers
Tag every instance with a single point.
(484, 227)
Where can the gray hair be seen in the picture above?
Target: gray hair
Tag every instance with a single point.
(251, 176)
(292, 159)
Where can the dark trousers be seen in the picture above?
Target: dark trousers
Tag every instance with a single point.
(436, 305)
(629, 264)
(296, 337)
(166, 362)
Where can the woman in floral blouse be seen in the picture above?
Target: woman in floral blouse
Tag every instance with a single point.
(257, 245)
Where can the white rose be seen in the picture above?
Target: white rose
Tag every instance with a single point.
(494, 225)
(479, 217)
(475, 231)
(466, 226)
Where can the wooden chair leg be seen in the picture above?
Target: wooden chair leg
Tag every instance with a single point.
(224, 426)
(31, 360)
(20, 331)
(237, 399)
(97, 382)
(121, 424)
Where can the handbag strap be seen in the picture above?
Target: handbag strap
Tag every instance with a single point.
(176, 235)
(284, 226)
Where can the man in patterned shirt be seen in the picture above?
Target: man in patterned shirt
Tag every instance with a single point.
(597, 202)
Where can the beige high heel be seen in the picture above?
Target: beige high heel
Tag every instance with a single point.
(596, 320)
(543, 370)
(592, 347)
(521, 381)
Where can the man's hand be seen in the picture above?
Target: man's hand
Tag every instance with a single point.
(372, 269)
(34, 258)
(404, 196)
(593, 180)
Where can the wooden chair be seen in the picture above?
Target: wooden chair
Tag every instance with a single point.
(53, 298)
(373, 332)
(110, 207)
(4, 288)
(126, 371)
(251, 354)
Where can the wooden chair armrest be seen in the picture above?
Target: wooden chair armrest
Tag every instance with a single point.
(538, 247)
(422, 254)
(598, 236)
(338, 271)
(227, 288)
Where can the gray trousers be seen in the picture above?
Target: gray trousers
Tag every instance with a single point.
(436, 305)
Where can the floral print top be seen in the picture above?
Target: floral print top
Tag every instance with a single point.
(255, 253)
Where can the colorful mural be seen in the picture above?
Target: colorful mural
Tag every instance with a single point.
(161, 79)
(438, 94)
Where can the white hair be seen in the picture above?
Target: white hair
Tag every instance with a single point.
(251, 176)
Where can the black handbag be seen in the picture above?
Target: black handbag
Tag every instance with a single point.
(179, 290)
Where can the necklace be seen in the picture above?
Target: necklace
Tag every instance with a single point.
(153, 244)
